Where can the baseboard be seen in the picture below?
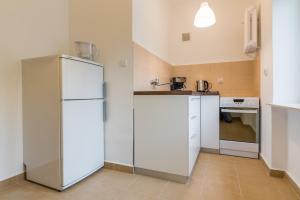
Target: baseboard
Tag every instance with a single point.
(162, 175)
(282, 174)
(119, 167)
(12, 180)
(293, 184)
(208, 150)
(273, 172)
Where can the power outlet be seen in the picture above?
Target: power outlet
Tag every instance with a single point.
(220, 81)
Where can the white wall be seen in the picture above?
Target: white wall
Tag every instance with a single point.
(29, 28)
(293, 146)
(222, 42)
(266, 79)
(108, 24)
(279, 83)
(286, 31)
(151, 26)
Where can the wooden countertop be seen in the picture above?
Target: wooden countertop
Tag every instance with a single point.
(185, 92)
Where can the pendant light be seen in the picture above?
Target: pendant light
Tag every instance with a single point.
(205, 16)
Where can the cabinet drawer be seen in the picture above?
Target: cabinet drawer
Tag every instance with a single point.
(194, 105)
(194, 148)
(194, 124)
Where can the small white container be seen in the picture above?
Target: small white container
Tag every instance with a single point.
(86, 50)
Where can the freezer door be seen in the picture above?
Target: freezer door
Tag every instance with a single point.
(82, 139)
(81, 80)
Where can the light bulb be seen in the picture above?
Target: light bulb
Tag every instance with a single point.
(205, 16)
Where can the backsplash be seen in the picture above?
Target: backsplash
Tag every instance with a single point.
(240, 78)
(230, 78)
(148, 67)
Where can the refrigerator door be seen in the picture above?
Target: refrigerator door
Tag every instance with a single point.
(82, 139)
(81, 80)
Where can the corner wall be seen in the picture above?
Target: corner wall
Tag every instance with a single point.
(266, 59)
(280, 139)
(151, 26)
(148, 67)
(108, 24)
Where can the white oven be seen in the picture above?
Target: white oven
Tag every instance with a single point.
(239, 126)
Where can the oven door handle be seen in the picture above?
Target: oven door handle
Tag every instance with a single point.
(239, 111)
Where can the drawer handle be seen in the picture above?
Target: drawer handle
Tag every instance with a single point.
(194, 117)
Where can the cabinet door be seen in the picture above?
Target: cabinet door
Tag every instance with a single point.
(161, 133)
(210, 119)
(81, 80)
(82, 139)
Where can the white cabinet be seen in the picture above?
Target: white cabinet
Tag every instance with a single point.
(166, 134)
(210, 122)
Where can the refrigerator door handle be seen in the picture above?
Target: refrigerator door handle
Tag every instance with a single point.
(104, 111)
(104, 86)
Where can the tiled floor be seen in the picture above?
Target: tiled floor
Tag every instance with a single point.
(215, 178)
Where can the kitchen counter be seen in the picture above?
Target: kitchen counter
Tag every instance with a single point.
(166, 134)
(185, 92)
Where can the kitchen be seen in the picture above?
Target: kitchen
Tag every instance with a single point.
(170, 144)
(197, 89)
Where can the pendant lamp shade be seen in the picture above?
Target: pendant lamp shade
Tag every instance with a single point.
(205, 16)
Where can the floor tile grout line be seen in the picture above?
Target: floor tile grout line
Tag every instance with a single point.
(161, 191)
(238, 181)
(203, 181)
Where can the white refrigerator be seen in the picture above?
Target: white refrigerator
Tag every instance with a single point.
(63, 119)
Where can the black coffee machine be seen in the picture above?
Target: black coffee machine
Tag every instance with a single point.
(178, 83)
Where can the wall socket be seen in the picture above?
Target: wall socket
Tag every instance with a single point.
(124, 63)
(220, 81)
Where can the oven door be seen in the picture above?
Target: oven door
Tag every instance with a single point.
(239, 125)
(239, 132)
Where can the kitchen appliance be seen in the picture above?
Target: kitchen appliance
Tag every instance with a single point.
(63, 119)
(203, 86)
(86, 50)
(178, 83)
(239, 126)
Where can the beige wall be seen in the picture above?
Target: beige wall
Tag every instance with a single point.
(256, 73)
(148, 67)
(108, 24)
(29, 28)
(238, 77)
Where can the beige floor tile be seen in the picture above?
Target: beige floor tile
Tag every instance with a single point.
(151, 187)
(284, 189)
(214, 177)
